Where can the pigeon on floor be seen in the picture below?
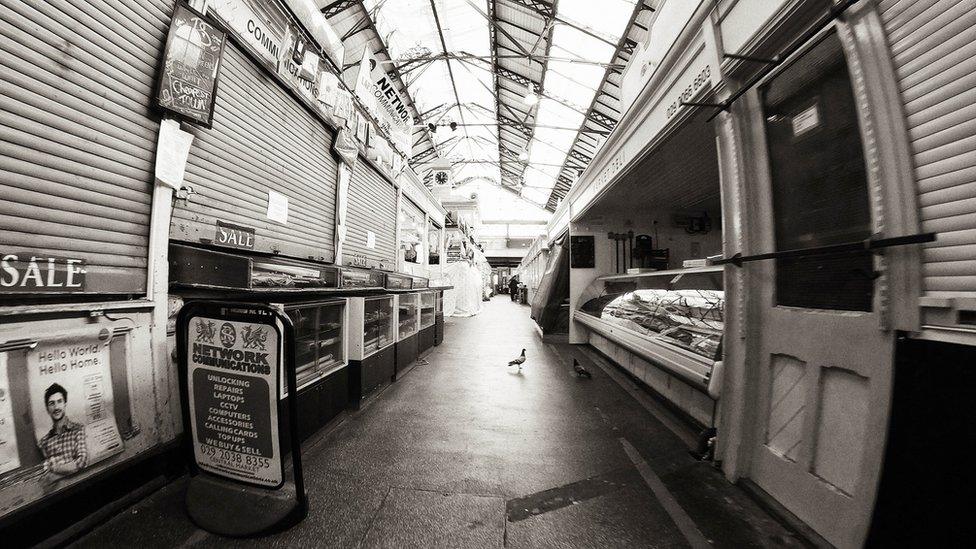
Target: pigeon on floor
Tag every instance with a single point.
(518, 361)
(581, 371)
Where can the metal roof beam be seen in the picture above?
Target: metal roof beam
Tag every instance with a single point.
(337, 7)
(624, 43)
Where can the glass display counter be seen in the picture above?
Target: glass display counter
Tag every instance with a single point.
(428, 306)
(377, 324)
(372, 325)
(672, 318)
(408, 315)
(439, 317)
(319, 339)
(428, 318)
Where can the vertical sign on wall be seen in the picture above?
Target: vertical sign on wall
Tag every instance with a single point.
(230, 371)
(342, 195)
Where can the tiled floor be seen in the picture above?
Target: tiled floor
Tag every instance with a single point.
(466, 452)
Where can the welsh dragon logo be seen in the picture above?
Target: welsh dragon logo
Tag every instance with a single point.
(206, 331)
(254, 338)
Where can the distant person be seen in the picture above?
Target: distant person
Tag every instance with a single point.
(513, 287)
(63, 446)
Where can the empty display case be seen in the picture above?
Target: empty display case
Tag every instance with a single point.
(428, 317)
(408, 326)
(319, 339)
(372, 327)
(408, 315)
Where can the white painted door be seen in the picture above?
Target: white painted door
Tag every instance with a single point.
(824, 362)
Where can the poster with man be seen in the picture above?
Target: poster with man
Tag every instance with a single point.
(72, 406)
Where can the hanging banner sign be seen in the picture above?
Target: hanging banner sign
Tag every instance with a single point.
(342, 194)
(345, 146)
(232, 384)
(260, 25)
(72, 404)
(378, 93)
(188, 81)
(300, 68)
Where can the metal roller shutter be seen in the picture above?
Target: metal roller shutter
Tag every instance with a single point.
(933, 45)
(77, 138)
(372, 207)
(262, 140)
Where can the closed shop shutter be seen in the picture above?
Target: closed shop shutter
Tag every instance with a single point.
(372, 208)
(933, 45)
(77, 138)
(262, 140)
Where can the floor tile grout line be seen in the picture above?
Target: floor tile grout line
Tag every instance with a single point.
(645, 401)
(372, 520)
(681, 519)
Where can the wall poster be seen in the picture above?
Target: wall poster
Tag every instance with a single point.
(72, 405)
(9, 457)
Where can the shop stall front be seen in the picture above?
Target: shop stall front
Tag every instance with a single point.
(312, 295)
(645, 216)
(78, 134)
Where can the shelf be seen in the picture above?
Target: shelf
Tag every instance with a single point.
(669, 272)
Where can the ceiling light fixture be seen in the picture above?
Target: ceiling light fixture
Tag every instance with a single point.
(524, 155)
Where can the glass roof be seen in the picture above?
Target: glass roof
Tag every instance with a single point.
(445, 54)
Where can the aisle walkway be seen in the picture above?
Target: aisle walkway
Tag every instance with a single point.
(465, 452)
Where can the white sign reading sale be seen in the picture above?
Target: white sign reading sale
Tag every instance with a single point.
(232, 378)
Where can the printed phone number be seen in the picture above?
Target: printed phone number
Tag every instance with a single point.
(227, 458)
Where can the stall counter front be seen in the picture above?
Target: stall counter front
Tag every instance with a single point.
(661, 325)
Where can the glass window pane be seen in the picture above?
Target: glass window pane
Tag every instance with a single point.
(819, 183)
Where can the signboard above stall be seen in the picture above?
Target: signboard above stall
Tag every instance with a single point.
(260, 26)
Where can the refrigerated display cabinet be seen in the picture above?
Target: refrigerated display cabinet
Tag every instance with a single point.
(439, 318)
(319, 339)
(408, 315)
(408, 326)
(428, 312)
(320, 362)
(674, 319)
(371, 346)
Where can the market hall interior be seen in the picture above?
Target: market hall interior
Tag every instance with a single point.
(487, 272)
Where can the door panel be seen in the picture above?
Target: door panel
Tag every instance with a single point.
(823, 362)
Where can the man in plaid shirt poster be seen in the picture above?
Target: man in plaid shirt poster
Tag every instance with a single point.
(63, 447)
